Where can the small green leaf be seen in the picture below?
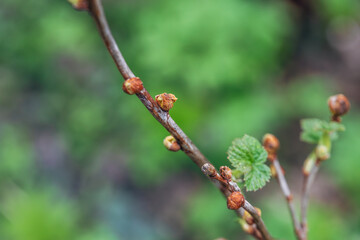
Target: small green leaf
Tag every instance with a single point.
(248, 156)
(335, 126)
(313, 130)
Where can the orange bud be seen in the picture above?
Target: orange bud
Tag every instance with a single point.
(339, 105)
(225, 172)
(235, 201)
(271, 143)
(132, 86)
(165, 101)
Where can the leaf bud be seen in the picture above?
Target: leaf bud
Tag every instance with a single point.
(235, 201)
(248, 218)
(165, 101)
(339, 105)
(171, 144)
(225, 173)
(209, 170)
(80, 5)
(309, 164)
(271, 143)
(322, 152)
(132, 86)
(248, 228)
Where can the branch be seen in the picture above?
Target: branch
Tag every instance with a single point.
(257, 219)
(98, 14)
(308, 181)
(289, 198)
(96, 10)
(236, 200)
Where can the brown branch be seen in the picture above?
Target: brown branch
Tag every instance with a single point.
(96, 10)
(289, 198)
(308, 181)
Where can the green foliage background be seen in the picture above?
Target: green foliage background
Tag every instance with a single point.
(79, 159)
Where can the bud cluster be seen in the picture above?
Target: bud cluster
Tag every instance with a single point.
(248, 224)
(235, 200)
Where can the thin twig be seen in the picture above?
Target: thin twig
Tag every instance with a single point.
(257, 219)
(163, 117)
(308, 181)
(97, 12)
(289, 198)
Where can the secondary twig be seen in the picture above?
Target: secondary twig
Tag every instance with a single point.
(338, 105)
(272, 145)
(289, 198)
(308, 181)
(96, 10)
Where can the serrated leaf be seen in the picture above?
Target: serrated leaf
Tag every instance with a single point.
(257, 177)
(247, 155)
(314, 129)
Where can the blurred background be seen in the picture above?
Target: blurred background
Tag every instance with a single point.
(81, 160)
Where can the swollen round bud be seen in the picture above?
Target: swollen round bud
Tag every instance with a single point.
(271, 143)
(339, 105)
(171, 144)
(132, 86)
(165, 101)
(209, 170)
(322, 152)
(81, 5)
(235, 201)
(225, 172)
